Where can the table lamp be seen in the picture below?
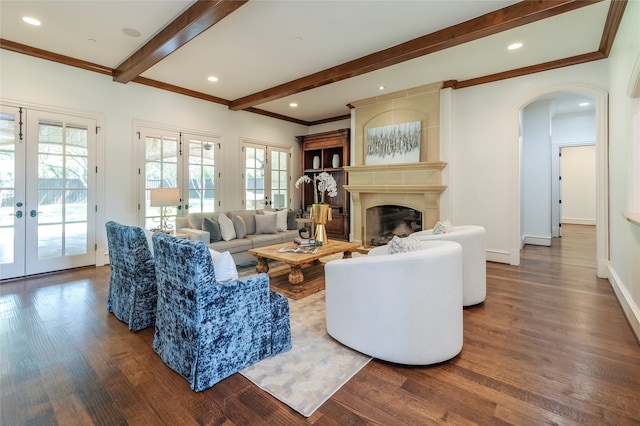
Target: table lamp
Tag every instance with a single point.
(164, 198)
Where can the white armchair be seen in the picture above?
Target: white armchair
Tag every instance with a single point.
(404, 308)
(472, 238)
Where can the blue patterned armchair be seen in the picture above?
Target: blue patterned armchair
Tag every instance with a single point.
(206, 330)
(133, 293)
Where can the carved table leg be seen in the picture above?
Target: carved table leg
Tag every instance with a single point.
(295, 276)
(262, 265)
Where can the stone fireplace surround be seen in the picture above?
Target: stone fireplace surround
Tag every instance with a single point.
(414, 185)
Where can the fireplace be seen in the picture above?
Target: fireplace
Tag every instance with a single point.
(382, 223)
(416, 187)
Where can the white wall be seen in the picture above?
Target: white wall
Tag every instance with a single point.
(574, 129)
(624, 269)
(34, 81)
(535, 174)
(579, 185)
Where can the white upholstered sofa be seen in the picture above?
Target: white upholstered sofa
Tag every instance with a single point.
(404, 308)
(474, 258)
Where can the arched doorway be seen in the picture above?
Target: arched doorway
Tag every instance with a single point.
(602, 219)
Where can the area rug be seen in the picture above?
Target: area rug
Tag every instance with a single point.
(316, 366)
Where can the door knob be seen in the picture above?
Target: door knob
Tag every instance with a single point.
(33, 213)
(17, 214)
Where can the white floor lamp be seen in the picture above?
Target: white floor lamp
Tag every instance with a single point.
(164, 198)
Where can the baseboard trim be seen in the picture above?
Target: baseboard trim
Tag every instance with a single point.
(575, 221)
(498, 256)
(537, 241)
(630, 309)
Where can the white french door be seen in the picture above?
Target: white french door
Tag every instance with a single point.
(47, 192)
(175, 159)
(266, 176)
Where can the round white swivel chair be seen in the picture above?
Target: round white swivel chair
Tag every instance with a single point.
(472, 238)
(404, 308)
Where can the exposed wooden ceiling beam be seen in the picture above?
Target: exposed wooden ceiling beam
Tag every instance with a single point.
(53, 57)
(195, 20)
(494, 22)
(614, 17)
(611, 25)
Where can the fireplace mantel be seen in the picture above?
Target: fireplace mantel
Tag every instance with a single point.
(414, 185)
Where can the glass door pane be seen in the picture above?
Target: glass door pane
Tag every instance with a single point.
(255, 164)
(160, 171)
(60, 209)
(201, 174)
(279, 179)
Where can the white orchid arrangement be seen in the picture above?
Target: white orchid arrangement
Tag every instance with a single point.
(326, 184)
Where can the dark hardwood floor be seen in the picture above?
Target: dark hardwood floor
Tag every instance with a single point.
(550, 345)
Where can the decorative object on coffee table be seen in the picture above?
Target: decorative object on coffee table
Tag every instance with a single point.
(321, 214)
(324, 184)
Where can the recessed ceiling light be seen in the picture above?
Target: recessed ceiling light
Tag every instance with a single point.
(212, 78)
(31, 21)
(131, 32)
(293, 105)
(583, 104)
(381, 88)
(514, 46)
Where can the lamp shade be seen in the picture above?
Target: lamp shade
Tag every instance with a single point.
(162, 197)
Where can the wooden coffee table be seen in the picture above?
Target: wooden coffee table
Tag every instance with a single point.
(297, 260)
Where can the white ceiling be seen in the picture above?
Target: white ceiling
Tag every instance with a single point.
(265, 43)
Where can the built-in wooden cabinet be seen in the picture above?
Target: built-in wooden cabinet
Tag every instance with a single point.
(324, 147)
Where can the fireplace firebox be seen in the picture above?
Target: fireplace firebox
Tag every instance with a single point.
(383, 222)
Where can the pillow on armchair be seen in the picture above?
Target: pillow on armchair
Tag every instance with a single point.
(403, 245)
(442, 227)
(223, 266)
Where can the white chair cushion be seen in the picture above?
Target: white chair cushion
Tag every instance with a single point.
(223, 266)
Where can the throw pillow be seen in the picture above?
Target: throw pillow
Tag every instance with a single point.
(248, 217)
(195, 220)
(223, 266)
(281, 219)
(403, 245)
(442, 227)
(292, 223)
(240, 226)
(226, 227)
(266, 224)
(213, 228)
